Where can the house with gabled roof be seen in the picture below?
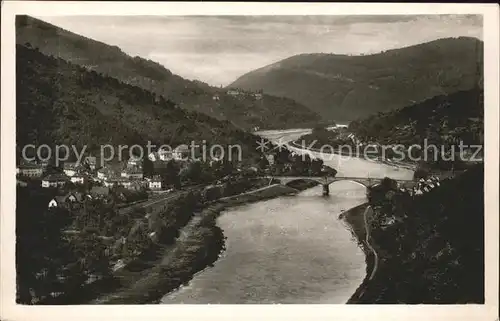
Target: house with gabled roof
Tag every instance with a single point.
(99, 192)
(132, 173)
(72, 168)
(155, 183)
(79, 178)
(66, 200)
(29, 170)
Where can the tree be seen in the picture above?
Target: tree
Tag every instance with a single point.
(222, 168)
(39, 228)
(137, 240)
(148, 167)
(318, 130)
(170, 174)
(422, 171)
(91, 253)
(389, 184)
(262, 163)
(193, 172)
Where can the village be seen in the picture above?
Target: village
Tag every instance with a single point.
(137, 180)
(74, 180)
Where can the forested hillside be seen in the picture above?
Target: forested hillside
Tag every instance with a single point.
(343, 87)
(62, 103)
(244, 111)
(433, 252)
(442, 119)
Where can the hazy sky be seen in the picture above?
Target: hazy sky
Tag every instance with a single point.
(219, 49)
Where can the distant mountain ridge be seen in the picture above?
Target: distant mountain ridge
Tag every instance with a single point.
(62, 103)
(344, 88)
(243, 111)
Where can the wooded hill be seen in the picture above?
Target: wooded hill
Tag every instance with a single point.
(344, 88)
(244, 111)
(63, 103)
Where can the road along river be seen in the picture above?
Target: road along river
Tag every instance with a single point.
(290, 249)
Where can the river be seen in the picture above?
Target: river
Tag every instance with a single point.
(291, 249)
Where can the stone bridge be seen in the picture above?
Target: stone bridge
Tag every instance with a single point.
(327, 180)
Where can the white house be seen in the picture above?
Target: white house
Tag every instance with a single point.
(132, 174)
(164, 155)
(91, 161)
(102, 174)
(110, 183)
(54, 180)
(153, 156)
(134, 162)
(53, 203)
(78, 179)
(387, 221)
(65, 200)
(125, 183)
(233, 92)
(155, 183)
(258, 96)
(29, 170)
(270, 159)
(70, 169)
(116, 182)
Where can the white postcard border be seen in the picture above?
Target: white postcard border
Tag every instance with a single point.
(10, 311)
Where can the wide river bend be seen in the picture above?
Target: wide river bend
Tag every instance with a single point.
(290, 249)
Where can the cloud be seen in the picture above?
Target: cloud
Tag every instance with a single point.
(220, 69)
(218, 49)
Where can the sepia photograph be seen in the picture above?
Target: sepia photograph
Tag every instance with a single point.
(251, 157)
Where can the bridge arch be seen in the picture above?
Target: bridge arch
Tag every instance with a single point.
(287, 181)
(327, 180)
(363, 183)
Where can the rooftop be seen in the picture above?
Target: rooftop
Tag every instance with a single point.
(132, 171)
(91, 159)
(182, 148)
(72, 165)
(119, 180)
(98, 190)
(56, 177)
(29, 166)
(63, 198)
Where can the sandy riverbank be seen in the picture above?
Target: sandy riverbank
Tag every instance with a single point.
(356, 221)
(201, 243)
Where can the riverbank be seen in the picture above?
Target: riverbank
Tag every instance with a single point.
(423, 257)
(357, 221)
(200, 244)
